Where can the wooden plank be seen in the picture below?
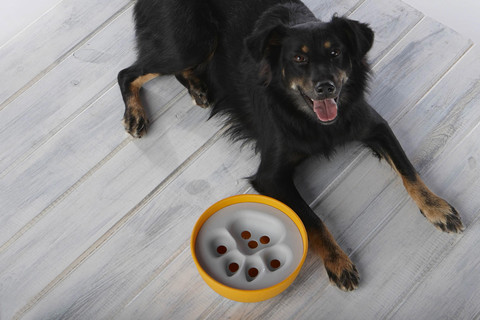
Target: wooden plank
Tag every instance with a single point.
(11, 23)
(50, 39)
(445, 47)
(390, 21)
(68, 147)
(44, 109)
(324, 10)
(69, 157)
(452, 289)
(72, 226)
(159, 305)
(148, 244)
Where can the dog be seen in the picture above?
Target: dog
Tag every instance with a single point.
(290, 84)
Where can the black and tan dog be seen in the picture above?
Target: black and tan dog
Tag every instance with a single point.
(289, 83)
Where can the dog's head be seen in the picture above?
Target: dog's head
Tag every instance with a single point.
(313, 61)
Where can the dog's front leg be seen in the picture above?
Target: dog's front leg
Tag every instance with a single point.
(440, 213)
(276, 181)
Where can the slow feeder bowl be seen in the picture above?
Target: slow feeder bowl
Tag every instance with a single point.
(249, 248)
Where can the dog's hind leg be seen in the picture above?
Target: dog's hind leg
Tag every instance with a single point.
(439, 212)
(196, 86)
(276, 180)
(173, 37)
(130, 81)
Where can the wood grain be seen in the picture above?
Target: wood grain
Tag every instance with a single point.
(51, 39)
(65, 92)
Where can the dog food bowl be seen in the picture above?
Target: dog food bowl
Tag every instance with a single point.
(249, 248)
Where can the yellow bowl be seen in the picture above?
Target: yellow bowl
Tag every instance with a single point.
(249, 248)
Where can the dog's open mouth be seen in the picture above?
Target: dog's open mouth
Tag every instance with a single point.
(326, 110)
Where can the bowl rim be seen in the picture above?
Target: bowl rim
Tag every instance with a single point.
(244, 295)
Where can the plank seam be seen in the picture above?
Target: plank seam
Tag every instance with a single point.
(57, 129)
(119, 224)
(401, 36)
(64, 56)
(183, 248)
(434, 85)
(354, 8)
(30, 24)
(398, 41)
(84, 178)
(424, 274)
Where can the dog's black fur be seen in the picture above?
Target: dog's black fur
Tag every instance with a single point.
(289, 83)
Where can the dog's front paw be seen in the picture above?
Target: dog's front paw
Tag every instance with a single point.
(443, 216)
(342, 272)
(135, 122)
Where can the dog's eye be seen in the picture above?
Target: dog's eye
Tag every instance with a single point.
(300, 58)
(335, 52)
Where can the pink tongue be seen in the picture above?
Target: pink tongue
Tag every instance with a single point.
(326, 110)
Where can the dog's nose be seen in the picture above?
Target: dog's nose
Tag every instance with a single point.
(325, 88)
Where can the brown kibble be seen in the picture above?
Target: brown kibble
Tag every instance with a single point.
(246, 235)
(233, 267)
(252, 244)
(275, 264)
(253, 272)
(222, 249)
(264, 240)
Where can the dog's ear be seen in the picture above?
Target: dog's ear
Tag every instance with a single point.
(264, 40)
(264, 44)
(359, 35)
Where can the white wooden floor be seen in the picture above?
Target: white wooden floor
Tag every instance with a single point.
(96, 225)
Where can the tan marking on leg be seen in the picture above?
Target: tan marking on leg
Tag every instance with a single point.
(341, 270)
(135, 120)
(140, 81)
(438, 211)
(432, 206)
(134, 101)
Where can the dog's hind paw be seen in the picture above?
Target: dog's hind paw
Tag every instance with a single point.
(200, 97)
(135, 123)
(342, 273)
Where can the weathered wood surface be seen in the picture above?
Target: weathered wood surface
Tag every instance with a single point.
(37, 50)
(96, 225)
